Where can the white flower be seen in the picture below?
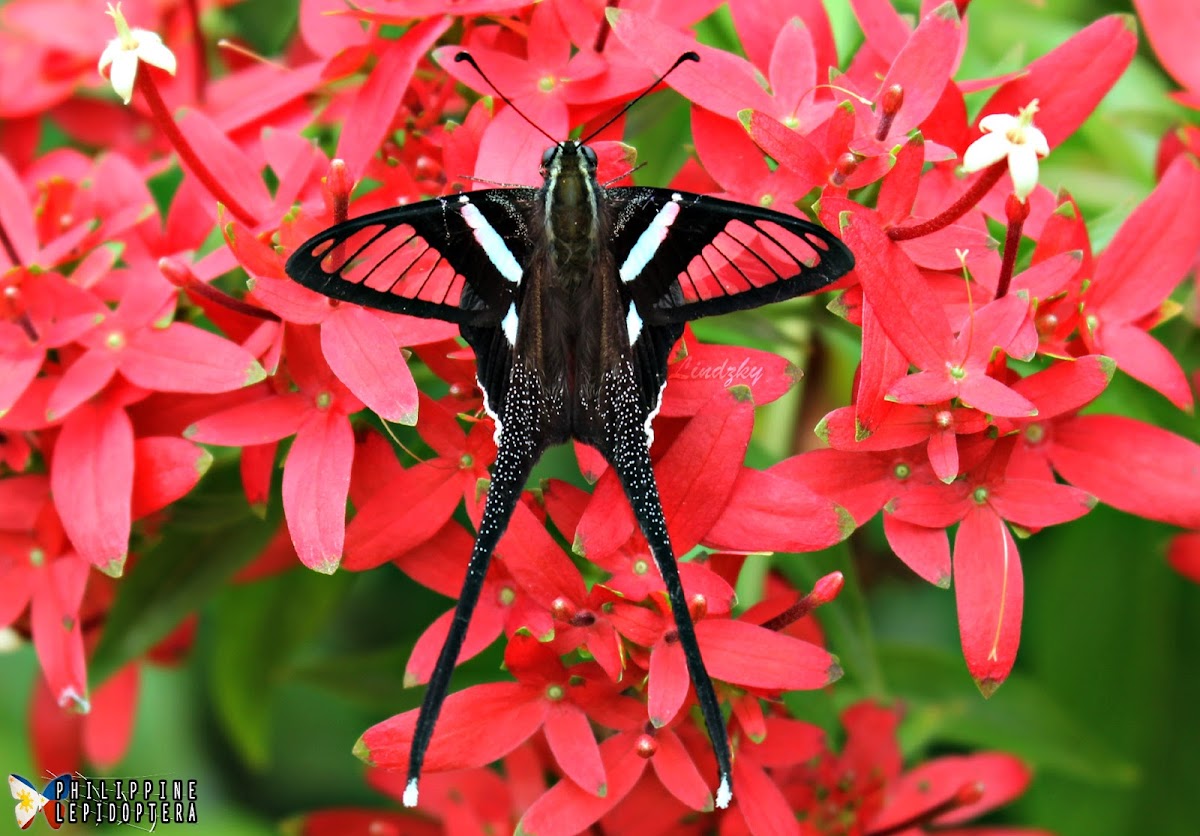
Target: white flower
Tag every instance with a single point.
(1014, 137)
(127, 49)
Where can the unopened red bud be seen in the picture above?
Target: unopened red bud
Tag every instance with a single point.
(562, 609)
(827, 588)
(176, 272)
(698, 607)
(1046, 324)
(892, 99)
(846, 165)
(583, 618)
(646, 746)
(889, 106)
(337, 188)
(1016, 209)
(969, 793)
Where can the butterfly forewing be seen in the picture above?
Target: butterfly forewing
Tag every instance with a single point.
(687, 256)
(423, 258)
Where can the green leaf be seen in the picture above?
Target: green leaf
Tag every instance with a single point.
(1023, 718)
(258, 630)
(211, 534)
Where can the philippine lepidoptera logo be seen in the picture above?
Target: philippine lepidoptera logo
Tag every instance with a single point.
(29, 800)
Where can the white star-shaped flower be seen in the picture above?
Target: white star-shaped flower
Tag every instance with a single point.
(1014, 137)
(127, 49)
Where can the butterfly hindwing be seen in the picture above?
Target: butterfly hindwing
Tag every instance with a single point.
(683, 256)
(424, 258)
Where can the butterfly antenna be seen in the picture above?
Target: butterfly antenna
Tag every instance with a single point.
(687, 56)
(466, 56)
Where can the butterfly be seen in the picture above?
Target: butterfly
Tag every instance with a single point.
(572, 297)
(29, 800)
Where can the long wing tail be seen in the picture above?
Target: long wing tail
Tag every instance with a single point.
(625, 446)
(520, 444)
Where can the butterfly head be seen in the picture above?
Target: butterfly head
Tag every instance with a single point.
(571, 155)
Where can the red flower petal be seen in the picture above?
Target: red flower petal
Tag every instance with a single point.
(1127, 285)
(1136, 467)
(669, 681)
(788, 742)
(767, 512)
(720, 82)
(914, 321)
(1002, 778)
(184, 358)
(1171, 28)
(678, 772)
(363, 354)
(1070, 81)
(1035, 504)
(90, 373)
(924, 550)
(316, 481)
(761, 802)
(487, 623)
(746, 654)
(1067, 386)
(924, 65)
(1144, 358)
(898, 189)
(536, 562)
(109, 727)
(707, 369)
(476, 726)
(574, 746)
(989, 592)
(16, 370)
(227, 163)
(375, 106)
(57, 635)
(760, 24)
(385, 528)
(258, 422)
(700, 469)
(566, 809)
(257, 465)
(91, 477)
(165, 469)
(794, 152)
(991, 396)
(1183, 554)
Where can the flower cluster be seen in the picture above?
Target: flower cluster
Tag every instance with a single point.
(142, 336)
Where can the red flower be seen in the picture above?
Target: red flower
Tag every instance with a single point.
(316, 476)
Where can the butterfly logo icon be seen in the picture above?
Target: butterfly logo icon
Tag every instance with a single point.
(29, 800)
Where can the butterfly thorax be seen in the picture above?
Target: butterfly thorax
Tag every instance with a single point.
(572, 310)
(571, 211)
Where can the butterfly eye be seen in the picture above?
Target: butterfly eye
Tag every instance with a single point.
(548, 155)
(589, 155)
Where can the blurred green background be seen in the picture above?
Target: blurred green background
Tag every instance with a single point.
(286, 673)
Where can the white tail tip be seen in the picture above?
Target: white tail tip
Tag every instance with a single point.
(410, 793)
(724, 794)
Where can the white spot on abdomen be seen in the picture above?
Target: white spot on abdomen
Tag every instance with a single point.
(633, 323)
(509, 325)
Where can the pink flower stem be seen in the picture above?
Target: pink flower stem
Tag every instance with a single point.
(180, 275)
(791, 615)
(202, 71)
(605, 29)
(193, 163)
(970, 198)
(1017, 212)
(9, 249)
